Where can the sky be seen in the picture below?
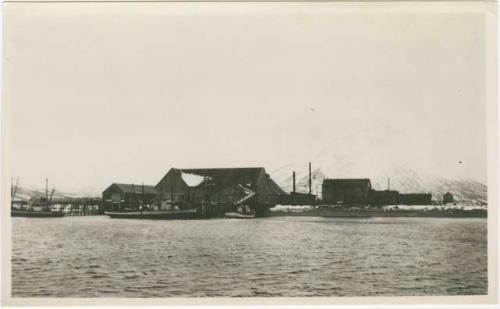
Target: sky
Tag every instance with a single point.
(121, 93)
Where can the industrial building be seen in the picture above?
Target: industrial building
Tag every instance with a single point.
(381, 198)
(346, 191)
(415, 198)
(119, 196)
(220, 188)
(299, 198)
(359, 192)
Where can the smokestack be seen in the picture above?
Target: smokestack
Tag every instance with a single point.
(293, 181)
(310, 181)
(388, 184)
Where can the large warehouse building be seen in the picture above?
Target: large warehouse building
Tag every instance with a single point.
(220, 187)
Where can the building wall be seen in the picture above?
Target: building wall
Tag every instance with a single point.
(448, 198)
(173, 187)
(214, 192)
(229, 196)
(115, 199)
(355, 194)
(297, 198)
(264, 193)
(415, 199)
(383, 197)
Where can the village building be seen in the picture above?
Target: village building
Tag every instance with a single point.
(415, 199)
(300, 198)
(381, 198)
(119, 197)
(221, 189)
(448, 198)
(346, 191)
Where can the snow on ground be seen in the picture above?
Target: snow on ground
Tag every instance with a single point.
(291, 208)
(192, 180)
(429, 207)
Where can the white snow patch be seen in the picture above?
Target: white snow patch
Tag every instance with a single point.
(192, 180)
(291, 208)
(429, 207)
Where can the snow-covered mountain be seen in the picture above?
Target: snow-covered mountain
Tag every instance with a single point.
(26, 193)
(381, 154)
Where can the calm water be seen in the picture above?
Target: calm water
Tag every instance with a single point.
(290, 256)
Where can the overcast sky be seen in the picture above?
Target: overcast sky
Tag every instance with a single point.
(123, 92)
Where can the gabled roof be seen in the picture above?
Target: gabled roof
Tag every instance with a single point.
(347, 182)
(133, 188)
(246, 176)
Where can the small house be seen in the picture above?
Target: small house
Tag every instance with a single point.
(448, 198)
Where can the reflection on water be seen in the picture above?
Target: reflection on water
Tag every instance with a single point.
(287, 256)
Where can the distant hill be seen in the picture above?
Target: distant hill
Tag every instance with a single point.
(26, 193)
(404, 181)
(380, 154)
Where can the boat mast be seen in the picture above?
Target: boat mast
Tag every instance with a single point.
(51, 195)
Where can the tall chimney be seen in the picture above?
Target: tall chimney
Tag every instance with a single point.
(293, 181)
(310, 181)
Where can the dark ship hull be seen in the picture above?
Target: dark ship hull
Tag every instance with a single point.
(162, 215)
(35, 214)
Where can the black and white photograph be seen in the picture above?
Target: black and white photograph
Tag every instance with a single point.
(284, 152)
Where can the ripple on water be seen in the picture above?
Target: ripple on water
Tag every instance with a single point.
(259, 258)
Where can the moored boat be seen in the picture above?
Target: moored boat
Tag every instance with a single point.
(243, 212)
(34, 208)
(162, 214)
(36, 213)
(236, 215)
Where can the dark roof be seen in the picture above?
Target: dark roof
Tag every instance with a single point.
(348, 182)
(384, 192)
(229, 176)
(133, 188)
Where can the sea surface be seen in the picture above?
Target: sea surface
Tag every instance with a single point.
(97, 256)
